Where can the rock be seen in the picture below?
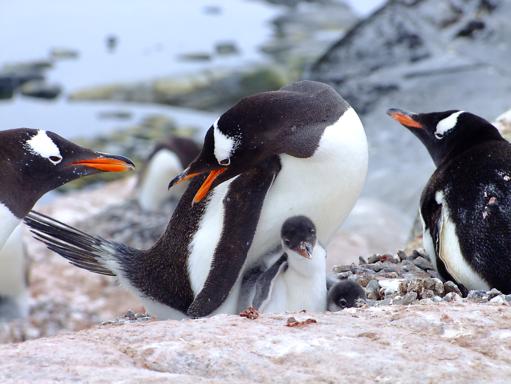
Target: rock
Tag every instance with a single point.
(409, 54)
(422, 263)
(373, 290)
(12, 76)
(195, 56)
(40, 89)
(227, 349)
(64, 53)
(449, 287)
(225, 48)
(409, 298)
(452, 296)
(499, 300)
(207, 90)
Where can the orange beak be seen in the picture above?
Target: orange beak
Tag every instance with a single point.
(404, 118)
(106, 164)
(206, 185)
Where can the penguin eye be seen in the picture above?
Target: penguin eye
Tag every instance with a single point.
(225, 162)
(55, 159)
(312, 231)
(287, 242)
(343, 303)
(439, 136)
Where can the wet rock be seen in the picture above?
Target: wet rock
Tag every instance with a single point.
(40, 89)
(208, 90)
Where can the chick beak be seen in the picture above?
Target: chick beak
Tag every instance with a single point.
(407, 119)
(305, 249)
(206, 184)
(106, 163)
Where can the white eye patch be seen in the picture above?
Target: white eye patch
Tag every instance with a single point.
(41, 145)
(224, 145)
(445, 125)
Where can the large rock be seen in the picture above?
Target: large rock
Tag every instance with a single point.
(448, 343)
(421, 55)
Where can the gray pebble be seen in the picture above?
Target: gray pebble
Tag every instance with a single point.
(409, 298)
(422, 263)
(449, 287)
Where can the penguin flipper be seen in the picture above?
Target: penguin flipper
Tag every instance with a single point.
(246, 195)
(79, 248)
(264, 283)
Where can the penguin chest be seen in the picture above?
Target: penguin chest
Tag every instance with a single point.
(449, 249)
(8, 223)
(323, 187)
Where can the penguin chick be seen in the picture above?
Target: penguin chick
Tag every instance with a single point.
(297, 280)
(344, 294)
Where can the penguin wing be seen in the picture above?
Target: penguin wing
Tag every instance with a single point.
(264, 283)
(243, 204)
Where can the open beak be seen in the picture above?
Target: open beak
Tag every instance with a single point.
(407, 119)
(206, 184)
(304, 249)
(106, 163)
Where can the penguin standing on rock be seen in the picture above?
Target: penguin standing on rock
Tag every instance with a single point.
(297, 280)
(166, 161)
(33, 162)
(466, 204)
(301, 150)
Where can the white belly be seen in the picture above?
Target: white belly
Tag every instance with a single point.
(8, 223)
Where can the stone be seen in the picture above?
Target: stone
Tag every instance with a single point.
(422, 263)
(449, 287)
(40, 89)
(231, 349)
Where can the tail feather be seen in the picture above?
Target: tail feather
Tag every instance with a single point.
(79, 248)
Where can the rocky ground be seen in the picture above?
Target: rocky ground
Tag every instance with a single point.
(424, 343)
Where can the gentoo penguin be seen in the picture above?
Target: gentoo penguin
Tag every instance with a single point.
(166, 161)
(297, 280)
(299, 150)
(344, 294)
(466, 204)
(33, 162)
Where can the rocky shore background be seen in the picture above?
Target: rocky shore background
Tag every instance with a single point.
(419, 55)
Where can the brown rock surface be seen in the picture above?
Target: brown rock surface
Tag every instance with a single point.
(446, 343)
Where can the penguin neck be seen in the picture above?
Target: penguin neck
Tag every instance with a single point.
(306, 267)
(8, 222)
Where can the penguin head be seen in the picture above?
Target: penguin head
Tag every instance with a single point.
(446, 133)
(298, 234)
(344, 294)
(34, 161)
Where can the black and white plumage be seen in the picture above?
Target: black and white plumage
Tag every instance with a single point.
(344, 294)
(33, 162)
(466, 204)
(166, 161)
(299, 150)
(297, 280)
